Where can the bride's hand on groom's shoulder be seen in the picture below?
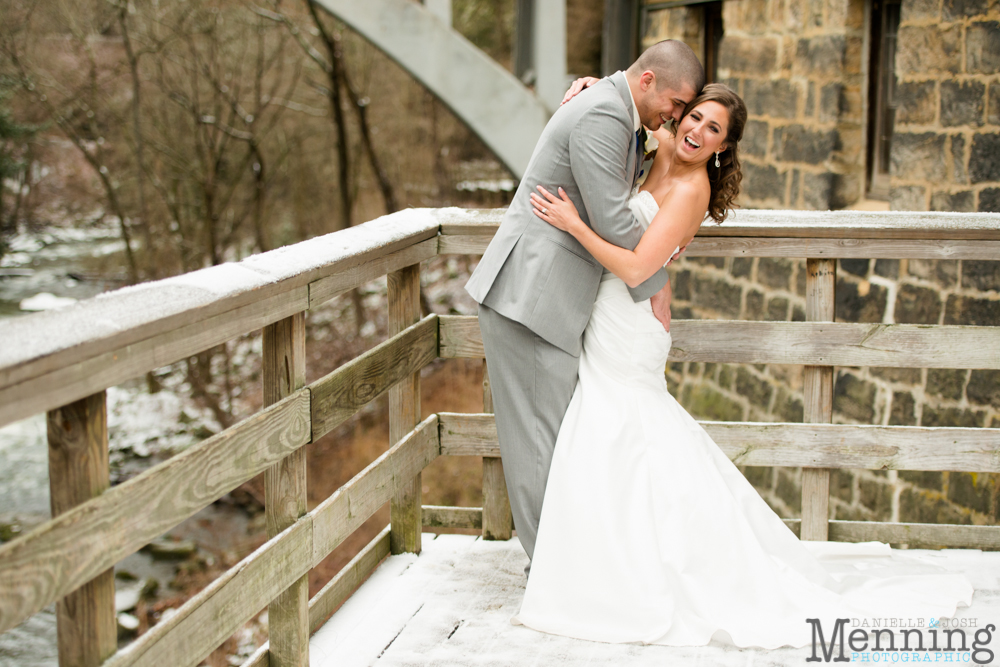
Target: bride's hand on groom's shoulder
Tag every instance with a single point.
(557, 211)
(577, 87)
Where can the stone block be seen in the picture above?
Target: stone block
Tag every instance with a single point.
(887, 268)
(972, 311)
(774, 272)
(916, 102)
(854, 397)
(741, 267)
(822, 55)
(984, 387)
(989, 200)
(759, 476)
(959, 163)
(788, 407)
(858, 267)
(726, 376)
(810, 106)
(984, 162)
(925, 479)
(917, 305)
(717, 262)
(903, 409)
(817, 191)
(798, 314)
(934, 416)
(924, 506)
(953, 201)
(789, 490)
(914, 10)
(993, 104)
(763, 182)
(756, 390)
(928, 49)
(907, 198)
(831, 102)
(795, 188)
(748, 55)
(860, 302)
(777, 98)
(945, 382)
(704, 402)
(842, 485)
(900, 375)
(876, 495)
(777, 309)
(680, 284)
(755, 306)
(797, 143)
(971, 490)
(956, 10)
(981, 274)
(982, 47)
(800, 278)
(918, 156)
(962, 103)
(716, 295)
(944, 272)
(754, 141)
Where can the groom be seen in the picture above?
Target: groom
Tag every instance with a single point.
(536, 285)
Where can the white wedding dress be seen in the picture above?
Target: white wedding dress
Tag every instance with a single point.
(650, 534)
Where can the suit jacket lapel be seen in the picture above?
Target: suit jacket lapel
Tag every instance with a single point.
(634, 161)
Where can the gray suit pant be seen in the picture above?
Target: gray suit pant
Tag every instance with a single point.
(532, 382)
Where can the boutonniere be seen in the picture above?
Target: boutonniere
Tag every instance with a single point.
(652, 143)
(648, 151)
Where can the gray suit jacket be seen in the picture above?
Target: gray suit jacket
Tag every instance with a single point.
(539, 276)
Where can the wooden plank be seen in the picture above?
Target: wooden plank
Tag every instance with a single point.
(343, 512)
(75, 379)
(337, 396)
(826, 343)
(919, 535)
(326, 288)
(465, 434)
(86, 631)
(844, 248)
(338, 589)
(464, 244)
(795, 445)
(404, 412)
(817, 394)
(437, 516)
(497, 517)
(59, 556)
(285, 500)
(221, 608)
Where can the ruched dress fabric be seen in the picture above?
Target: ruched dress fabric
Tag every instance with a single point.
(650, 534)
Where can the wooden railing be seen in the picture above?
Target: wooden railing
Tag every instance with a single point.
(62, 362)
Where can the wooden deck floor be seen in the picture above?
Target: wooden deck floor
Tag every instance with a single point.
(451, 606)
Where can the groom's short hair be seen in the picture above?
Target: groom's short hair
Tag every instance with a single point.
(673, 63)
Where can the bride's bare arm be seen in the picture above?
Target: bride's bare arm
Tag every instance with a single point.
(677, 221)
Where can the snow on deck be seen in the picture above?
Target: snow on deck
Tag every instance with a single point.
(451, 606)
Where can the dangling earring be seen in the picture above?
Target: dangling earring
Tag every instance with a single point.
(717, 164)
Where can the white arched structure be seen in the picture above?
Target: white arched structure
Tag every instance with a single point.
(498, 108)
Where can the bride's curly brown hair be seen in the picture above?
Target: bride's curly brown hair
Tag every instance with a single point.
(724, 179)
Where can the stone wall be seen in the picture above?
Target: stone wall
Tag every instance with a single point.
(946, 143)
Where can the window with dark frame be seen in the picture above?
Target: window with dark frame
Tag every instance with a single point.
(881, 94)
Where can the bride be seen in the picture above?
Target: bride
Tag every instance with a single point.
(648, 532)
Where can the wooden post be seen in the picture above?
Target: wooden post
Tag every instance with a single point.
(497, 519)
(86, 628)
(821, 284)
(404, 413)
(284, 372)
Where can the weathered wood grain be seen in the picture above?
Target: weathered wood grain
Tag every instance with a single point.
(59, 556)
(86, 631)
(285, 499)
(817, 343)
(843, 248)
(404, 412)
(337, 396)
(214, 614)
(80, 376)
(326, 288)
(338, 589)
(342, 513)
(795, 445)
(497, 517)
(438, 516)
(920, 535)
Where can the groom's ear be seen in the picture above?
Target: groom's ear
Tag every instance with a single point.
(646, 80)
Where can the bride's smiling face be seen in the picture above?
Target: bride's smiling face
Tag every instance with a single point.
(702, 132)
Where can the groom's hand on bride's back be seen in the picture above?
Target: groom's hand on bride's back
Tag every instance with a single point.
(577, 87)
